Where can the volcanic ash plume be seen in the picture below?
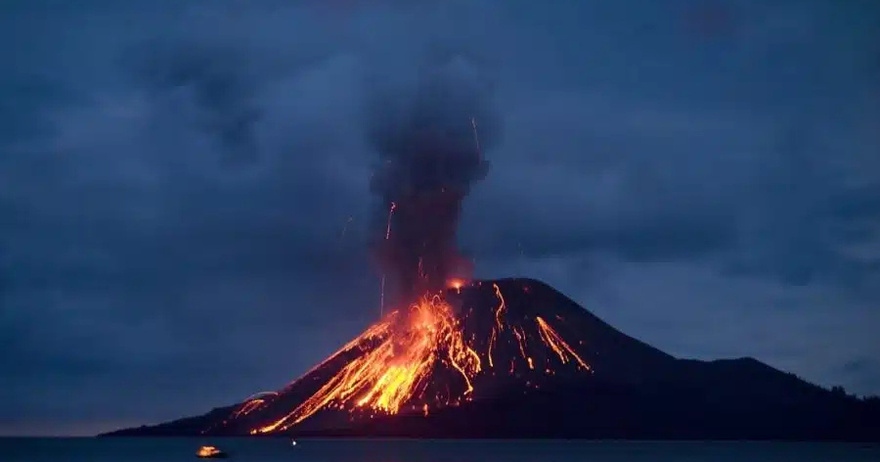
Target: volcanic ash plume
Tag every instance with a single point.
(429, 144)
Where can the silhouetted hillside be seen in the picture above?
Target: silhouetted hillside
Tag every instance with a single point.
(537, 365)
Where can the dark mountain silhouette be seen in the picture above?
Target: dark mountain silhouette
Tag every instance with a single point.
(521, 360)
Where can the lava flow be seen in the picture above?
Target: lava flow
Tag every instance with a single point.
(398, 370)
(432, 355)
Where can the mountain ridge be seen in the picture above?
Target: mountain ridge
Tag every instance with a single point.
(574, 376)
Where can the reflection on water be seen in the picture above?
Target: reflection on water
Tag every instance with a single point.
(270, 450)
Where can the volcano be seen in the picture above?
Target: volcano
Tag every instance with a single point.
(515, 358)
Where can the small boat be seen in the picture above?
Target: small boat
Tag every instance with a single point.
(210, 452)
(293, 442)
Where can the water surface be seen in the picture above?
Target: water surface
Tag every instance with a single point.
(271, 450)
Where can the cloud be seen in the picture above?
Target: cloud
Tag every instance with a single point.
(770, 195)
(213, 81)
(136, 251)
(177, 181)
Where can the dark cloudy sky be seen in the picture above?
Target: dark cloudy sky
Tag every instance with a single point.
(175, 178)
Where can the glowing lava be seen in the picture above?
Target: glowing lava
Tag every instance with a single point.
(420, 359)
(398, 369)
(555, 342)
(253, 403)
(456, 284)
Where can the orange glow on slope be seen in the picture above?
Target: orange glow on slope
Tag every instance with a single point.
(391, 374)
(253, 402)
(491, 345)
(501, 306)
(247, 407)
(499, 325)
(419, 359)
(520, 340)
(555, 342)
(388, 225)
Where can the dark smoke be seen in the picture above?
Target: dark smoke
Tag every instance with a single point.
(428, 161)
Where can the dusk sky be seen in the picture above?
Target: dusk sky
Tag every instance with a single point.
(185, 206)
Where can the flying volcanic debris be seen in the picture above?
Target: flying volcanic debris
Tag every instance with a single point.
(428, 161)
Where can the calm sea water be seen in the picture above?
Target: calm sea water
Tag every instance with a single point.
(183, 449)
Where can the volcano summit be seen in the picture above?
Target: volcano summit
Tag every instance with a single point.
(515, 358)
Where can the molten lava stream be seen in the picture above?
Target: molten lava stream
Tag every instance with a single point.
(553, 340)
(398, 370)
(418, 359)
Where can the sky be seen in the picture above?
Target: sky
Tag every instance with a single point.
(185, 204)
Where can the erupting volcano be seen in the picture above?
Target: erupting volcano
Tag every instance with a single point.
(459, 357)
(436, 349)
(443, 350)
(429, 156)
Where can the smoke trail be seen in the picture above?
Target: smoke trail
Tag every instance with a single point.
(427, 164)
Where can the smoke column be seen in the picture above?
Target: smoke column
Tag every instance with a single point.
(428, 161)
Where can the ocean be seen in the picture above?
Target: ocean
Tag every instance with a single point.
(271, 450)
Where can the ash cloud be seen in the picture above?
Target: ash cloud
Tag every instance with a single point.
(428, 159)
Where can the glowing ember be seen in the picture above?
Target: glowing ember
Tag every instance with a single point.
(253, 403)
(456, 284)
(247, 407)
(387, 236)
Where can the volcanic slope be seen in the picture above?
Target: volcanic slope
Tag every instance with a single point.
(466, 344)
(515, 358)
